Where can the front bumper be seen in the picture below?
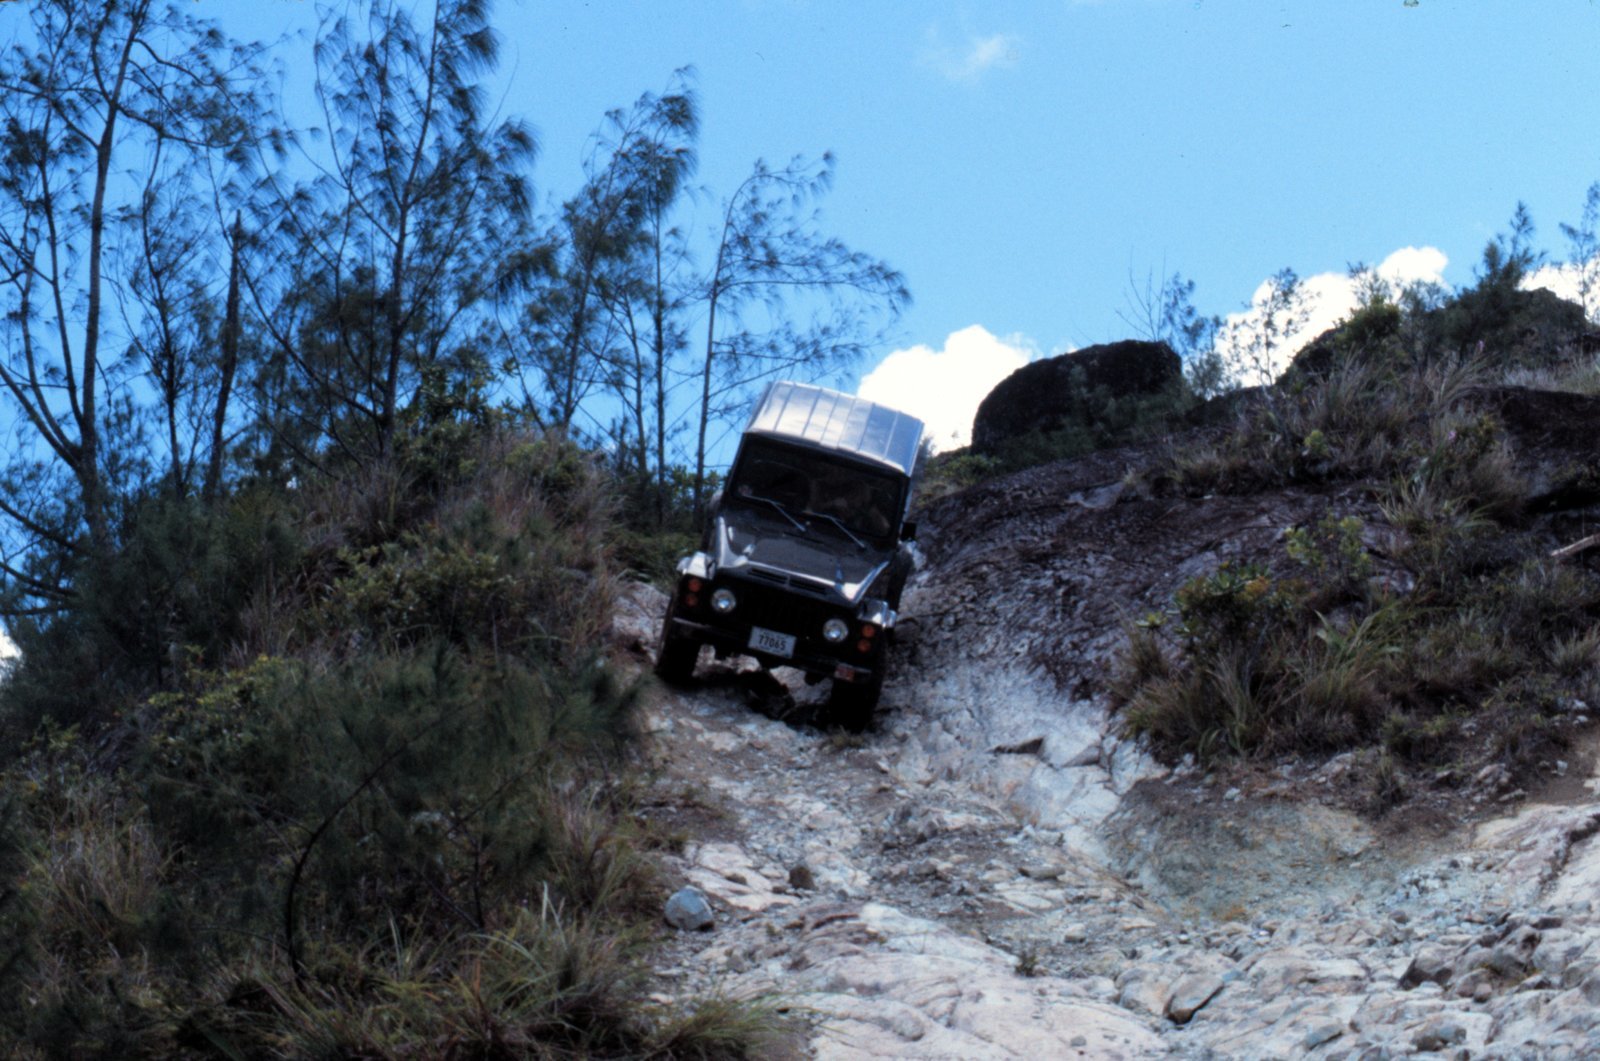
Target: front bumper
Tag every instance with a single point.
(734, 640)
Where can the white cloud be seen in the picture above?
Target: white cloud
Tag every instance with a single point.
(944, 387)
(1328, 299)
(968, 61)
(8, 651)
(1414, 265)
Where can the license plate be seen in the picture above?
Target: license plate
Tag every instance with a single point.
(771, 642)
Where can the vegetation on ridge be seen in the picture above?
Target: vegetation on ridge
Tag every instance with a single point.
(1422, 622)
(393, 819)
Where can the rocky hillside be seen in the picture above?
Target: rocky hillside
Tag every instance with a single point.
(1002, 869)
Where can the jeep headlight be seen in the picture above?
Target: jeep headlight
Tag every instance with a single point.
(723, 601)
(835, 631)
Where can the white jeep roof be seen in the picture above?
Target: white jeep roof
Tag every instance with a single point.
(829, 420)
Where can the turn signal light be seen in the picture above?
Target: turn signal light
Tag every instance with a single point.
(863, 646)
(869, 631)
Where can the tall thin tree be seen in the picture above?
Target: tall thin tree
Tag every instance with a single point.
(84, 100)
(780, 297)
(419, 219)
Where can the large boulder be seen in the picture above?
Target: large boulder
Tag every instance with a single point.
(1070, 389)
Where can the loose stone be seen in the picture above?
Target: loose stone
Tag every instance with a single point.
(688, 911)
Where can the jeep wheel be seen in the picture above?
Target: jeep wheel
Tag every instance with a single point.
(675, 656)
(850, 706)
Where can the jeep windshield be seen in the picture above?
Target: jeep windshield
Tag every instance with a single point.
(818, 492)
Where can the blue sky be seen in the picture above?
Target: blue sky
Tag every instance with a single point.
(1018, 160)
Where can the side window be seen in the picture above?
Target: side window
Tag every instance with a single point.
(880, 514)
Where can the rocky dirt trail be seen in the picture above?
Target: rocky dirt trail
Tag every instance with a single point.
(992, 872)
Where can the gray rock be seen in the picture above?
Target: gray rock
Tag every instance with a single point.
(1475, 984)
(1042, 870)
(1142, 994)
(1513, 955)
(1190, 993)
(1431, 964)
(1591, 987)
(1438, 1033)
(688, 911)
(1322, 1032)
(1044, 395)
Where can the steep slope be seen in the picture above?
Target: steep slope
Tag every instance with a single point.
(996, 871)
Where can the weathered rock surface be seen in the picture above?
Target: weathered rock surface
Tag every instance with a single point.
(994, 872)
(945, 927)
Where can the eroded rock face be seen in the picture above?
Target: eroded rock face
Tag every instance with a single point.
(995, 871)
(1043, 395)
(939, 925)
(1553, 438)
(1013, 622)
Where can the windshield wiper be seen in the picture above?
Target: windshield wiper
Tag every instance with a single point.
(848, 533)
(801, 527)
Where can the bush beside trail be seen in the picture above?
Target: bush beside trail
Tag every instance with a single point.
(1421, 620)
(339, 772)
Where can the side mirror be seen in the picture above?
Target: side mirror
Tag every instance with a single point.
(908, 531)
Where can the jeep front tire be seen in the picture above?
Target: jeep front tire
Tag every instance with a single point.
(675, 656)
(850, 705)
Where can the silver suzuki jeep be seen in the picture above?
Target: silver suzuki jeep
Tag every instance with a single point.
(807, 548)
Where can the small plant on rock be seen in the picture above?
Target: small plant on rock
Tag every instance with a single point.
(1333, 552)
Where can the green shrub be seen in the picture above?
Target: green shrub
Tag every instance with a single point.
(91, 917)
(1334, 660)
(1524, 731)
(397, 786)
(1334, 555)
(1224, 699)
(356, 792)
(184, 576)
(1258, 670)
(1575, 659)
(652, 556)
(356, 858)
(1237, 604)
(947, 473)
